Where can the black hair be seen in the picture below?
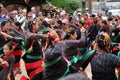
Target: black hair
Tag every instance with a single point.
(30, 25)
(68, 34)
(82, 22)
(10, 45)
(45, 24)
(59, 21)
(110, 19)
(3, 23)
(104, 22)
(77, 30)
(18, 24)
(93, 15)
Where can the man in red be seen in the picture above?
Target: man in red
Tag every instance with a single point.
(87, 20)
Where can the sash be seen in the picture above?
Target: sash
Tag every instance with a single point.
(34, 64)
(86, 56)
(50, 63)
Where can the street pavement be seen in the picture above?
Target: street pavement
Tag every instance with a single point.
(18, 76)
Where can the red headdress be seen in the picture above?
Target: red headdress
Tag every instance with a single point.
(53, 35)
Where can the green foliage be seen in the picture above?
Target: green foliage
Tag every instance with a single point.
(70, 5)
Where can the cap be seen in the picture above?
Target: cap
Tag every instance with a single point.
(79, 13)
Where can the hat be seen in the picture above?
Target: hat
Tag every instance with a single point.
(79, 13)
(14, 12)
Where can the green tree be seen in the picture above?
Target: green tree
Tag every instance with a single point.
(70, 5)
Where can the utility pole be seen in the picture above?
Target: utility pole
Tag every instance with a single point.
(90, 6)
(83, 6)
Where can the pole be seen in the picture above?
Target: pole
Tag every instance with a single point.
(90, 6)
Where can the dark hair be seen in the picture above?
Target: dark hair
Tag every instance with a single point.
(86, 15)
(3, 23)
(10, 45)
(18, 24)
(70, 31)
(30, 25)
(76, 76)
(82, 22)
(0, 9)
(93, 15)
(103, 40)
(59, 21)
(110, 19)
(45, 24)
(104, 22)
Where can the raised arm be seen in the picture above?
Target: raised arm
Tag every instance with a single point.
(6, 35)
(77, 43)
(34, 35)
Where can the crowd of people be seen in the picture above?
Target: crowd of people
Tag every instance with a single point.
(59, 46)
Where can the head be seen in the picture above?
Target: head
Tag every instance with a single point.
(33, 26)
(85, 16)
(29, 16)
(48, 15)
(81, 23)
(33, 10)
(79, 15)
(16, 25)
(8, 48)
(53, 38)
(103, 41)
(24, 12)
(94, 21)
(5, 26)
(59, 23)
(14, 13)
(71, 34)
(103, 23)
(40, 14)
(20, 11)
(39, 21)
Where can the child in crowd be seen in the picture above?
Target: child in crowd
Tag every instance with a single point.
(7, 62)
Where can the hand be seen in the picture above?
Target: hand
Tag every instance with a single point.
(83, 30)
(1, 60)
(1, 5)
(4, 64)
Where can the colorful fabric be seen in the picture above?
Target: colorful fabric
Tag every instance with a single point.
(48, 64)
